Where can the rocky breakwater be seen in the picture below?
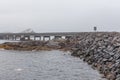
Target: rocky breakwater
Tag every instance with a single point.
(101, 51)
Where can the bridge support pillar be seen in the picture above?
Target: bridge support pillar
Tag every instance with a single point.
(7, 37)
(37, 37)
(17, 37)
(46, 37)
(27, 37)
(58, 37)
(12, 37)
(68, 37)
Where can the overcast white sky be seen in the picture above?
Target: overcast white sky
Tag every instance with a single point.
(59, 15)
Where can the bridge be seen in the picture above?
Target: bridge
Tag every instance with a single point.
(37, 36)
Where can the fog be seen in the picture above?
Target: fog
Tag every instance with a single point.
(59, 15)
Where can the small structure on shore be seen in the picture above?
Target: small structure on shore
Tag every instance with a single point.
(95, 28)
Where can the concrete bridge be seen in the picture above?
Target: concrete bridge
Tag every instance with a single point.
(37, 36)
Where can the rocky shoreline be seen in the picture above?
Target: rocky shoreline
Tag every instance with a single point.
(38, 45)
(101, 50)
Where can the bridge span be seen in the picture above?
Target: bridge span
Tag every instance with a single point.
(37, 36)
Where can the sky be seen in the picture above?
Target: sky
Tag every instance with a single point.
(59, 15)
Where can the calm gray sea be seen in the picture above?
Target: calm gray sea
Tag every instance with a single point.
(44, 65)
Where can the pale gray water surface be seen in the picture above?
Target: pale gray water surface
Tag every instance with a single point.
(44, 65)
(2, 41)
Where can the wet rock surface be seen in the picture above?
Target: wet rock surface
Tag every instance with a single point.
(38, 45)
